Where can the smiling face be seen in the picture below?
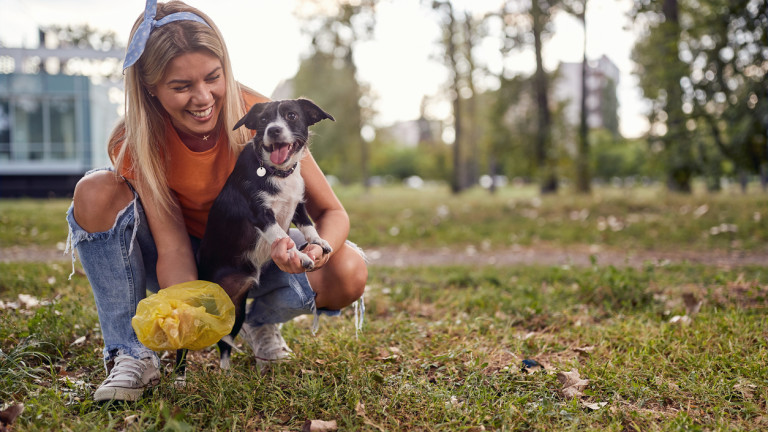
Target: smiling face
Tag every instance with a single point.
(192, 91)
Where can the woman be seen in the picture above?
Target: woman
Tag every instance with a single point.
(136, 227)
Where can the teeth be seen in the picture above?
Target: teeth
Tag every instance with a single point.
(201, 114)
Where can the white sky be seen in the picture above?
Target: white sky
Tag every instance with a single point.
(265, 44)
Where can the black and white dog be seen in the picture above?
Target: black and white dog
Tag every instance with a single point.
(261, 198)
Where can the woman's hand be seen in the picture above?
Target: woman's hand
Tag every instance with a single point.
(315, 252)
(287, 259)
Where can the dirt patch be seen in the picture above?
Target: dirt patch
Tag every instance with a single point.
(33, 253)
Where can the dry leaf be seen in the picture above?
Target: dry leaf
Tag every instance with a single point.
(746, 389)
(319, 426)
(585, 351)
(692, 304)
(28, 302)
(131, 419)
(360, 410)
(594, 406)
(9, 415)
(682, 320)
(78, 341)
(572, 383)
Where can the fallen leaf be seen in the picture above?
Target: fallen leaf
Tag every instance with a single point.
(360, 410)
(746, 389)
(28, 302)
(9, 415)
(572, 383)
(78, 341)
(594, 406)
(131, 419)
(319, 426)
(585, 351)
(682, 320)
(692, 304)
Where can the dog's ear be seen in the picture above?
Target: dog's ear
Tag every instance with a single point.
(251, 118)
(313, 112)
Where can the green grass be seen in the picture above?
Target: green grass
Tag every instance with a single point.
(648, 219)
(442, 347)
(644, 218)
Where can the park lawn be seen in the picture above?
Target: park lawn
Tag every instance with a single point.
(643, 218)
(441, 348)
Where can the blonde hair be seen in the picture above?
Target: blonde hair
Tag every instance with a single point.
(137, 144)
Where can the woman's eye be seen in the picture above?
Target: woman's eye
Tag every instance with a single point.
(292, 116)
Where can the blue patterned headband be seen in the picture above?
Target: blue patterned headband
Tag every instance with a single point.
(139, 41)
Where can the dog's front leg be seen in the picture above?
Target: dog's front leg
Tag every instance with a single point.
(274, 233)
(304, 224)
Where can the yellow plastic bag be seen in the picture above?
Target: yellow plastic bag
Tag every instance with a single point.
(190, 315)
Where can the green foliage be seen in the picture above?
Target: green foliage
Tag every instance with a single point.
(613, 156)
(393, 160)
(332, 85)
(701, 64)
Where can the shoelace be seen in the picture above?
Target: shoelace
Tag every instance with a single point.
(126, 365)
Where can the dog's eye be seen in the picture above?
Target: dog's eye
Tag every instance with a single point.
(292, 116)
(263, 120)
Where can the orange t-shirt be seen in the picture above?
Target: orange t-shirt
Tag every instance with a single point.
(196, 178)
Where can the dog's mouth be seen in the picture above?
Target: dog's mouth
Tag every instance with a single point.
(281, 152)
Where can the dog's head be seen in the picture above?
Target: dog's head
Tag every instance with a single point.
(282, 129)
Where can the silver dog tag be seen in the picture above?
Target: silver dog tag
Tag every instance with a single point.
(261, 171)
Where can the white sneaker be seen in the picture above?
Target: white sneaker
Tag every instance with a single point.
(128, 379)
(266, 342)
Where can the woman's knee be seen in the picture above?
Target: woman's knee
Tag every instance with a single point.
(345, 281)
(98, 198)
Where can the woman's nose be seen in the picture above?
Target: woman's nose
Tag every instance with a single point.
(201, 94)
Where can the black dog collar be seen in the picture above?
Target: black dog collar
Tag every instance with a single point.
(264, 170)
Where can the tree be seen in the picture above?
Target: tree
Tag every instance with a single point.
(84, 37)
(726, 90)
(328, 74)
(451, 31)
(528, 23)
(660, 72)
(702, 64)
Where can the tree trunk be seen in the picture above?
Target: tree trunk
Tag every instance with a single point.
(583, 178)
(679, 159)
(458, 181)
(543, 159)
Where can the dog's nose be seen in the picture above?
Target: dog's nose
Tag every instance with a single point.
(274, 131)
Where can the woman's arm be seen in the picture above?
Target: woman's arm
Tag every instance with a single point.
(175, 260)
(325, 209)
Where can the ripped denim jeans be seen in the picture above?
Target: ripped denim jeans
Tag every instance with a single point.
(121, 266)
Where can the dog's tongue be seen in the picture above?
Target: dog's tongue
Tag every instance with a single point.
(280, 154)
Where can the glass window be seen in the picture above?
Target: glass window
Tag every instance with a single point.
(28, 128)
(5, 130)
(61, 83)
(28, 84)
(63, 128)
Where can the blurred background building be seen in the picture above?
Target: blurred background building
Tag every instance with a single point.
(53, 125)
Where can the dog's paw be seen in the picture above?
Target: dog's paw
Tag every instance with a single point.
(306, 261)
(323, 244)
